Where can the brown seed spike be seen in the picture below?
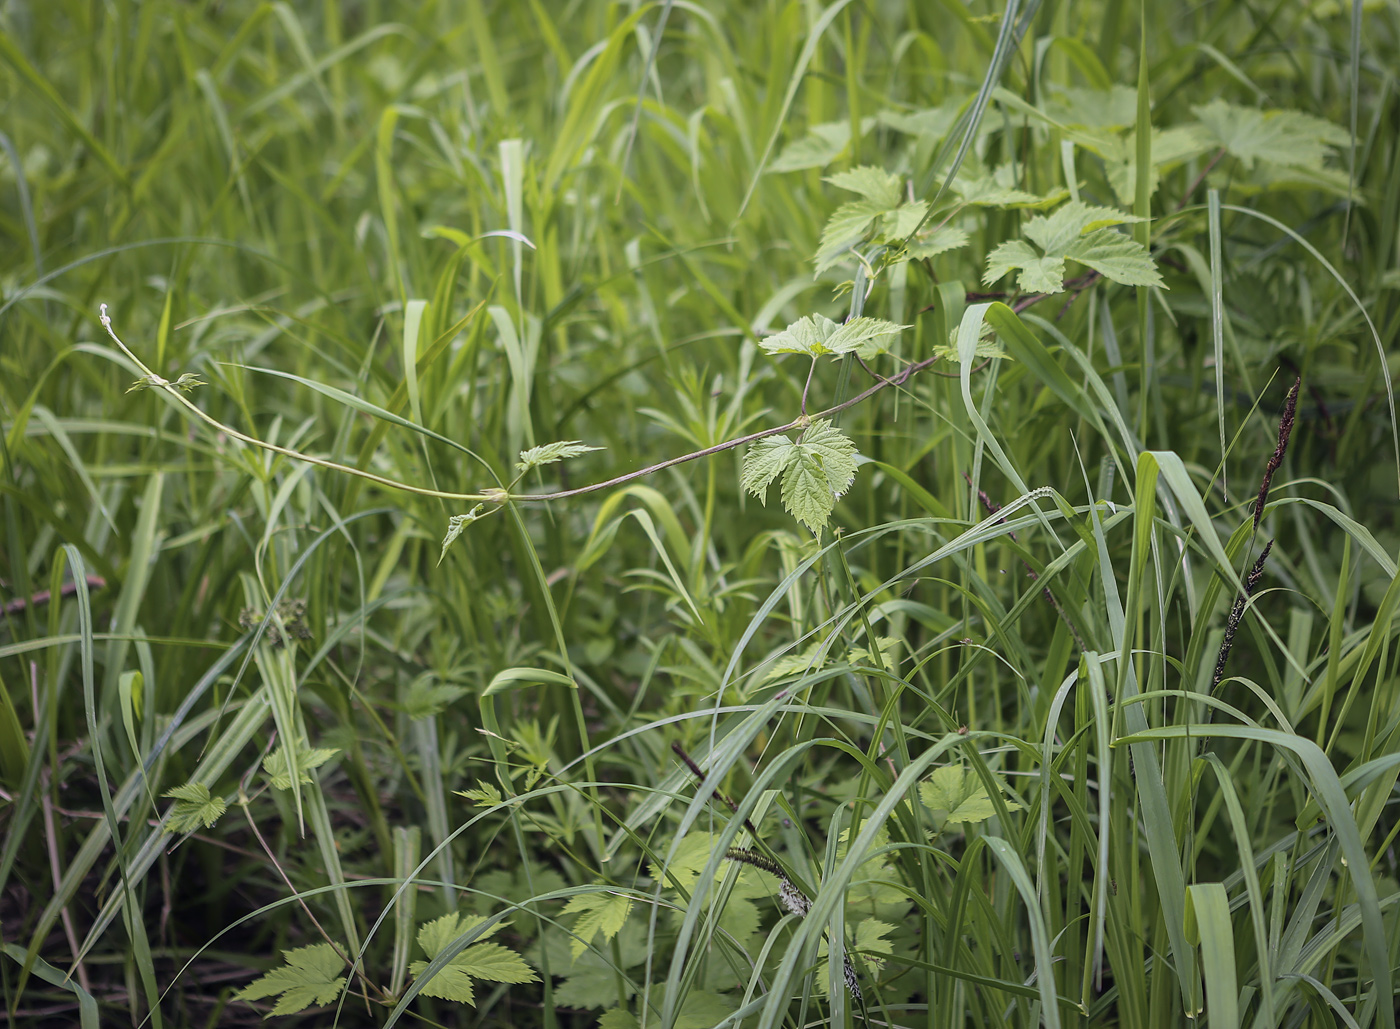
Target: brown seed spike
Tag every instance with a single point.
(1285, 429)
(1236, 613)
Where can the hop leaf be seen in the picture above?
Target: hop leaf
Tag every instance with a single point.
(880, 210)
(309, 977)
(193, 807)
(490, 962)
(960, 793)
(1076, 232)
(304, 760)
(822, 145)
(874, 184)
(938, 241)
(604, 913)
(457, 524)
(551, 452)
(818, 336)
(816, 470)
(807, 335)
(998, 189)
(931, 122)
(1280, 137)
(847, 226)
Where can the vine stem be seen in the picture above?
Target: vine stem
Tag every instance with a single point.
(808, 385)
(500, 496)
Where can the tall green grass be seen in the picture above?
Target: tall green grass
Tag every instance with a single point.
(975, 723)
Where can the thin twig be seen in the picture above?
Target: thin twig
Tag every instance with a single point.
(696, 771)
(806, 386)
(39, 599)
(496, 495)
(354, 965)
(1200, 178)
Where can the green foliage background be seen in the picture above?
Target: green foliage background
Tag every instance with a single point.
(319, 698)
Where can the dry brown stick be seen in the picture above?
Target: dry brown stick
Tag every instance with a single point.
(696, 771)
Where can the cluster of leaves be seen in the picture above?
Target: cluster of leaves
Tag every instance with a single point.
(816, 469)
(311, 976)
(1075, 232)
(488, 962)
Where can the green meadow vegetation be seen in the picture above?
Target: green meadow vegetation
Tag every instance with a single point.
(687, 515)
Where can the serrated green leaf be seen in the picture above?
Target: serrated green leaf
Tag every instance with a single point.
(308, 977)
(998, 189)
(592, 982)
(456, 525)
(874, 184)
(450, 982)
(822, 145)
(764, 462)
(484, 794)
(960, 793)
(795, 664)
(549, 453)
(1116, 256)
(600, 913)
(687, 862)
(491, 962)
(1057, 232)
(816, 471)
(1077, 231)
(305, 760)
(870, 936)
(889, 652)
(847, 226)
(808, 335)
(1170, 147)
(193, 807)
(1038, 274)
(495, 963)
(433, 936)
(1112, 108)
(896, 225)
(690, 860)
(1281, 137)
(617, 1018)
(867, 336)
(936, 242)
(703, 1010)
(931, 122)
(835, 449)
(818, 336)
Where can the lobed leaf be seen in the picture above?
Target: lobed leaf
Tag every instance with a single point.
(194, 807)
(600, 913)
(308, 977)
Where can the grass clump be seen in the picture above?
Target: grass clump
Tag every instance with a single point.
(395, 630)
